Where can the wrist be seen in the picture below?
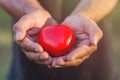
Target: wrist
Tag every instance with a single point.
(39, 9)
(27, 10)
(31, 6)
(82, 14)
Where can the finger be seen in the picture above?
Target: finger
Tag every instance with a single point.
(54, 62)
(58, 62)
(36, 57)
(87, 24)
(80, 52)
(44, 56)
(45, 62)
(72, 63)
(95, 36)
(30, 46)
(48, 61)
(94, 31)
(35, 31)
(21, 27)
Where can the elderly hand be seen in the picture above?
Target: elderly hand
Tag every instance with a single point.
(87, 35)
(26, 31)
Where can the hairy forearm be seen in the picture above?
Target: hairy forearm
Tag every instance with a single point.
(94, 9)
(17, 8)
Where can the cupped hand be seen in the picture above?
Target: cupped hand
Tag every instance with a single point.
(87, 35)
(26, 32)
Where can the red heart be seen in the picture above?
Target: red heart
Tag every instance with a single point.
(57, 40)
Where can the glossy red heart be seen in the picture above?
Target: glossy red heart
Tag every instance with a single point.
(57, 40)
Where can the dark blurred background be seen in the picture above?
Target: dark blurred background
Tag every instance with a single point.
(6, 39)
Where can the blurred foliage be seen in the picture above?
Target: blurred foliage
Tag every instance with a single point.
(114, 18)
(5, 43)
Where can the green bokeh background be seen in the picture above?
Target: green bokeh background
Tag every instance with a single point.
(6, 39)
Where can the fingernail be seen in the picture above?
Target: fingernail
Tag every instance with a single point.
(39, 50)
(18, 35)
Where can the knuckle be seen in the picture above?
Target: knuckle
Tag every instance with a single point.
(26, 45)
(29, 47)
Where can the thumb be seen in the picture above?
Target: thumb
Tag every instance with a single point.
(95, 36)
(21, 27)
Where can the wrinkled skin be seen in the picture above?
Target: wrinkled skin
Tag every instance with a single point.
(87, 35)
(26, 32)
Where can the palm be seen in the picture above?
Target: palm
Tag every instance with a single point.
(87, 35)
(84, 31)
(33, 34)
(26, 32)
(82, 37)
